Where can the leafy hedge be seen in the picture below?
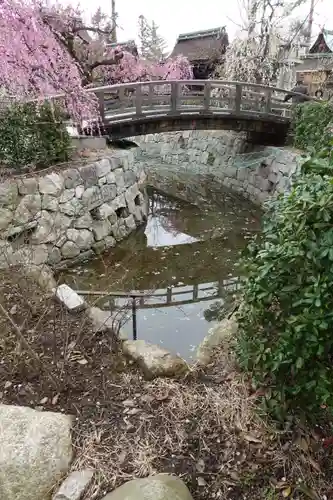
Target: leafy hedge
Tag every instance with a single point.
(33, 135)
(285, 337)
(312, 122)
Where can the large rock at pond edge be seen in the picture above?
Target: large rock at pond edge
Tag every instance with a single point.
(35, 452)
(153, 360)
(222, 332)
(159, 487)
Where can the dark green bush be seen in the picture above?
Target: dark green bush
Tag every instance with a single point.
(311, 124)
(285, 337)
(33, 135)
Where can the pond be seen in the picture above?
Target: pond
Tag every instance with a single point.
(183, 262)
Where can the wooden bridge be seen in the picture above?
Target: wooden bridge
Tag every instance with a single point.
(169, 297)
(132, 109)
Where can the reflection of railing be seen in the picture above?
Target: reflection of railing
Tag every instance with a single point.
(143, 300)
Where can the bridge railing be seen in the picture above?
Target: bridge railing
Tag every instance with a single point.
(140, 99)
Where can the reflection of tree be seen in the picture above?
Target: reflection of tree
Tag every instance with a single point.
(221, 308)
(167, 214)
(213, 311)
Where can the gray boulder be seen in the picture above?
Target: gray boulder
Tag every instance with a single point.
(220, 334)
(159, 487)
(35, 452)
(155, 361)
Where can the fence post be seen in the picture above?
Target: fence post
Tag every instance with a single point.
(134, 318)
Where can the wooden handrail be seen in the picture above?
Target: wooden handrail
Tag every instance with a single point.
(133, 101)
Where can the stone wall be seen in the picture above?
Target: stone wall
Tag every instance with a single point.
(59, 217)
(203, 161)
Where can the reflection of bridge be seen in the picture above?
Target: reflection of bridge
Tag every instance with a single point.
(168, 297)
(131, 109)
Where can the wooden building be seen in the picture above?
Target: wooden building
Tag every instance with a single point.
(204, 50)
(129, 46)
(316, 69)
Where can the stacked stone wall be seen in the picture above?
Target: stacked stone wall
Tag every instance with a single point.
(62, 216)
(201, 160)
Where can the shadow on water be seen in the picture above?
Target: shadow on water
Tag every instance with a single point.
(182, 262)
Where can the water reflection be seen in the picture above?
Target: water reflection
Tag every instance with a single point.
(180, 264)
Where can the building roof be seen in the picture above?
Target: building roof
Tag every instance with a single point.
(128, 46)
(323, 43)
(202, 45)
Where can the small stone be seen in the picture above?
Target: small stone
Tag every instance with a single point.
(99, 246)
(50, 227)
(103, 321)
(111, 178)
(103, 167)
(129, 178)
(219, 334)
(8, 194)
(89, 175)
(6, 216)
(74, 485)
(101, 181)
(72, 301)
(83, 238)
(70, 250)
(54, 255)
(130, 222)
(119, 231)
(84, 222)
(73, 208)
(116, 162)
(72, 178)
(27, 185)
(119, 202)
(108, 192)
(110, 242)
(120, 182)
(30, 254)
(79, 190)
(101, 229)
(153, 360)
(50, 203)
(51, 184)
(106, 211)
(158, 487)
(67, 195)
(92, 197)
(28, 208)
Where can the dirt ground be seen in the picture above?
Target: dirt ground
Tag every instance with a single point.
(206, 428)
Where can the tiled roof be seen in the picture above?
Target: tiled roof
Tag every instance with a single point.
(202, 45)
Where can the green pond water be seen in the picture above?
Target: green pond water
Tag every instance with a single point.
(183, 260)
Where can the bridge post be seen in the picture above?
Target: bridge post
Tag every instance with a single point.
(101, 105)
(206, 98)
(138, 100)
(174, 96)
(268, 101)
(238, 97)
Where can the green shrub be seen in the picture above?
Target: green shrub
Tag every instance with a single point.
(311, 125)
(33, 135)
(285, 337)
